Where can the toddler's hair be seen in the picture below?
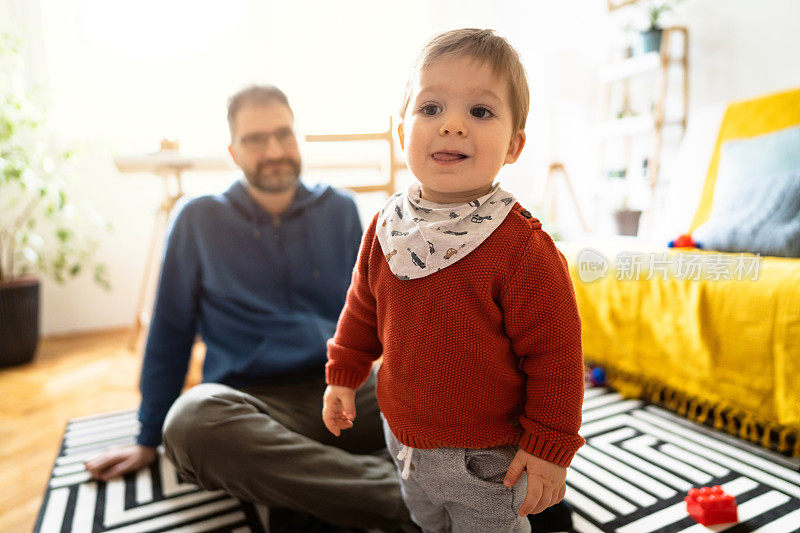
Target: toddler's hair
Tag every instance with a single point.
(483, 45)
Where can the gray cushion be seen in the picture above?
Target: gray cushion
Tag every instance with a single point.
(756, 206)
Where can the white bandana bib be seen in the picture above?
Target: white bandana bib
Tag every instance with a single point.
(420, 238)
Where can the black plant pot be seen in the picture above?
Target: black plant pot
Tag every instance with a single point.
(627, 222)
(19, 321)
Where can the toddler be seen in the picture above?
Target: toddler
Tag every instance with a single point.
(469, 302)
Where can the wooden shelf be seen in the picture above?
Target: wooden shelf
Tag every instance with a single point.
(634, 66)
(631, 126)
(616, 81)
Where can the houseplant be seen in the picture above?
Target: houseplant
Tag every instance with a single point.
(650, 39)
(623, 193)
(627, 220)
(42, 233)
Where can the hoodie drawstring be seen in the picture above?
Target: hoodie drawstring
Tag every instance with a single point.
(405, 455)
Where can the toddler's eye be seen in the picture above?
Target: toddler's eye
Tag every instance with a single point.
(480, 112)
(430, 109)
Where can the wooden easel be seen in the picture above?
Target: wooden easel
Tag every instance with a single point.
(548, 193)
(170, 166)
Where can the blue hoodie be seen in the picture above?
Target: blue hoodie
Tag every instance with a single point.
(264, 293)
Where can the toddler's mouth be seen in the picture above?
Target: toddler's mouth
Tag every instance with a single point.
(448, 156)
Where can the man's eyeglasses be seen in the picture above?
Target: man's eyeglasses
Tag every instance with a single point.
(260, 140)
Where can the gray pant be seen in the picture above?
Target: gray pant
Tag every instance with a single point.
(461, 489)
(268, 445)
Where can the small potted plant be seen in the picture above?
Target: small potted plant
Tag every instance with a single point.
(627, 220)
(41, 231)
(650, 39)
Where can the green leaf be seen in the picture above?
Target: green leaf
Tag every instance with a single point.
(101, 276)
(60, 262)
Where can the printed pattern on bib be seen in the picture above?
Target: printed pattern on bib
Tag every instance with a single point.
(419, 238)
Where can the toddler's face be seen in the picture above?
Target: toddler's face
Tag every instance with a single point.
(457, 131)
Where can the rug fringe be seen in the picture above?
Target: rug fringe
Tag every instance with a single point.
(745, 425)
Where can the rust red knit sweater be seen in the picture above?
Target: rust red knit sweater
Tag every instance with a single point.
(486, 352)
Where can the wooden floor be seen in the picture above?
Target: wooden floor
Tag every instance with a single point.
(71, 376)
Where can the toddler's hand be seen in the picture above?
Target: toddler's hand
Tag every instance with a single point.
(338, 408)
(546, 482)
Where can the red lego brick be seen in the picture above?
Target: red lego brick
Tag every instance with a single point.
(710, 505)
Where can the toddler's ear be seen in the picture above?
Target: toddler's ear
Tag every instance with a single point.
(515, 146)
(400, 136)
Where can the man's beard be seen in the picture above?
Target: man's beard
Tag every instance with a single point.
(275, 180)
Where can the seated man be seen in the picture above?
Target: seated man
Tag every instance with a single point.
(261, 272)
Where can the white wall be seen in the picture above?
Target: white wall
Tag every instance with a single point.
(123, 74)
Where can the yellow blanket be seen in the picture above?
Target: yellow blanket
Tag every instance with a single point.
(733, 342)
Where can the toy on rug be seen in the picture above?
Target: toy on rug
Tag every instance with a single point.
(596, 376)
(711, 505)
(684, 241)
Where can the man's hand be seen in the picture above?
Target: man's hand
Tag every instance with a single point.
(546, 482)
(119, 461)
(338, 408)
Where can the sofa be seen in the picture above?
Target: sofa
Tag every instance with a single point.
(723, 350)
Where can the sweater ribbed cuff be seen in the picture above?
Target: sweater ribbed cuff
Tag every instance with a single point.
(345, 377)
(547, 450)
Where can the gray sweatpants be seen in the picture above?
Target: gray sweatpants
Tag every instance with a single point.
(461, 489)
(268, 445)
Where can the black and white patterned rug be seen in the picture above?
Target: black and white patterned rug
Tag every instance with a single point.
(630, 477)
(639, 461)
(154, 499)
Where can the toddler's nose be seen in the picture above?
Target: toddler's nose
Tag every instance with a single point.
(453, 126)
